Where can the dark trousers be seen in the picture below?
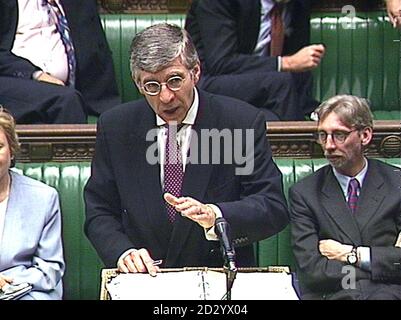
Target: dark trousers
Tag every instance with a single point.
(35, 102)
(280, 95)
(365, 289)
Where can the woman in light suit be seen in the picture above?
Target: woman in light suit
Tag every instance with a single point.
(30, 225)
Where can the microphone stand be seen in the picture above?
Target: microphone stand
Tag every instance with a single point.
(231, 273)
(222, 229)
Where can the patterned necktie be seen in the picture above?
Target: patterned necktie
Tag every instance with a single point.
(64, 30)
(353, 187)
(173, 169)
(277, 30)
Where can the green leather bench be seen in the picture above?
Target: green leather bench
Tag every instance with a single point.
(82, 278)
(363, 61)
(363, 58)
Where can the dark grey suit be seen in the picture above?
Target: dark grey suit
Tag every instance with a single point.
(319, 211)
(225, 33)
(124, 204)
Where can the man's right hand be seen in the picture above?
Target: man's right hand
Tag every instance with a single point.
(138, 261)
(394, 12)
(306, 59)
(45, 77)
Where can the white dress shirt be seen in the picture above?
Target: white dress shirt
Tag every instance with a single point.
(344, 180)
(183, 135)
(38, 40)
(264, 36)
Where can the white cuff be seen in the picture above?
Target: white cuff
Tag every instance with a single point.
(210, 234)
(364, 258)
(279, 63)
(36, 74)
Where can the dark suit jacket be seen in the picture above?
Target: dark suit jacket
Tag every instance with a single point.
(95, 72)
(319, 211)
(225, 33)
(124, 204)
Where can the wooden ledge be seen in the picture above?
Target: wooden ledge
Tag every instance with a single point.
(292, 139)
(181, 6)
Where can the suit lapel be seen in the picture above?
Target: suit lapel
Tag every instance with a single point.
(148, 176)
(336, 207)
(371, 196)
(250, 24)
(196, 179)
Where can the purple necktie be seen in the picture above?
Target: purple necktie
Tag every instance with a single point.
(353, 187)
(173, 169)
(64, 30)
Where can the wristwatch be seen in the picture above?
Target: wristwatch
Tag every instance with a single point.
(352, 257)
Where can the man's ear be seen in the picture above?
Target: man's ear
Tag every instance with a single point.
(366, 136)
(196, 72)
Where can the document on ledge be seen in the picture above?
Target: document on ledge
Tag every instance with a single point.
(201, 285)
(14, 292)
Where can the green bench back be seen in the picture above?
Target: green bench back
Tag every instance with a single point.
(82, 278)
(364, 60)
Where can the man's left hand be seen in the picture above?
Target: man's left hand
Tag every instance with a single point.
(192, 209)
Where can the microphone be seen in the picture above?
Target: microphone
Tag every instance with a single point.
(223, 232)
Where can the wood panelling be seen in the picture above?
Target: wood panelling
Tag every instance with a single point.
(163, 6)
(292, 139)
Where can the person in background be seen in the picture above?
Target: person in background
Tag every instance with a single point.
(257, 51)
(55, 63)
(30, 225)
(394, 12)
(346, 217)
(167, 166)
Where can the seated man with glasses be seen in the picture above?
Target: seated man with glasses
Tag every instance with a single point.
(346, 217)
(167, 166)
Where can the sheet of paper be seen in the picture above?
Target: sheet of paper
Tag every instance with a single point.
(165, 286)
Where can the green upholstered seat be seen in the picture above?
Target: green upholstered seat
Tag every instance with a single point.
(362, 57)
(82, 278)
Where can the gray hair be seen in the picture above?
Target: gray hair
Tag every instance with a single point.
(157, 46)
(352, 110)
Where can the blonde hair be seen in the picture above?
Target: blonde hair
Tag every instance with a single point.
(7, 124)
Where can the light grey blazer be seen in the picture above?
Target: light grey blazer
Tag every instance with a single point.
(31, 248)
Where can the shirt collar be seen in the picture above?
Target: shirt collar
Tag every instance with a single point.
(191, 114)
(344, 180)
